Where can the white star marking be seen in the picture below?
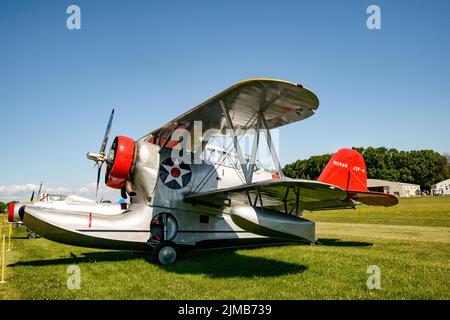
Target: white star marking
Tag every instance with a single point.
(170, 177)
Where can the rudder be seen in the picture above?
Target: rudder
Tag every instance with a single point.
(347, 170)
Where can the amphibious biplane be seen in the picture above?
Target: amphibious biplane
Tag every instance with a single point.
(182, 197)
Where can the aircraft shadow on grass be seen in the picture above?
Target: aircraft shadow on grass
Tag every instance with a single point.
(87, 257)
(222, 263)
(339, 243)
(229, 263)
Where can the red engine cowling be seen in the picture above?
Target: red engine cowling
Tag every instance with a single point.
(120, 161)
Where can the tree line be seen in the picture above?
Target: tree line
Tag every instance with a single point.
(422, 167)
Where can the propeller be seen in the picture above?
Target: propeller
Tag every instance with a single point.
(101, 157)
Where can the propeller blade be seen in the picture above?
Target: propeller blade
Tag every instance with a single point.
(100, 158)
(98, 178)
(107, 132)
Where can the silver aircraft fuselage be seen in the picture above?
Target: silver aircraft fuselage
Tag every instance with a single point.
(156, 198)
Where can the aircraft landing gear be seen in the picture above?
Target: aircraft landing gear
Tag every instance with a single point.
(163, 229)
(31, 234)
(165, 253)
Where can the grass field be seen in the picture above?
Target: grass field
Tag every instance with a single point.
(410, 243)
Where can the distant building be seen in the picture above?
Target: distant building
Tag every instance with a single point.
(400, 189)
(441, 188)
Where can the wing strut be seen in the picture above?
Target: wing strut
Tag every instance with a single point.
(273, 152)
(247, 168)
(254, 150)
(235, 141)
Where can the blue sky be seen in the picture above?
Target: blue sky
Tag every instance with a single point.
(155, 59)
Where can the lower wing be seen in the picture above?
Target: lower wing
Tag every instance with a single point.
(280, 195)
(290, 195)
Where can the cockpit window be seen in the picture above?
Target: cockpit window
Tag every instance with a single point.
(56, 197)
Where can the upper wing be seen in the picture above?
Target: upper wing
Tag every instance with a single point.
(281, 103)
(280, 195)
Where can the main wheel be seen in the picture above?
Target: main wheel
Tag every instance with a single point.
(165, 253)
(31, 234)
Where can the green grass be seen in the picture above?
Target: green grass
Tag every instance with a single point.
(410, 243)
(417, 211)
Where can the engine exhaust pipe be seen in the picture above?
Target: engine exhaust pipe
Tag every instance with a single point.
(129, 189)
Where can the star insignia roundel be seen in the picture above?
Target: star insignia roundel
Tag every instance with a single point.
(175, 174)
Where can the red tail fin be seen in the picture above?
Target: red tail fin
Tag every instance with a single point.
(347, 170)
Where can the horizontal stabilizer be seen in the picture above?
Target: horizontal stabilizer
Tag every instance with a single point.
(373, 198)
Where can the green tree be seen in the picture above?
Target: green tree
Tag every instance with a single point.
(423, 167)
(308, 168)
(3, 207)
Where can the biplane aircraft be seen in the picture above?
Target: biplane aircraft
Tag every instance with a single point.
(182, 197)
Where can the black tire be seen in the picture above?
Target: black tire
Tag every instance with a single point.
(31, 235)
(165, 253)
